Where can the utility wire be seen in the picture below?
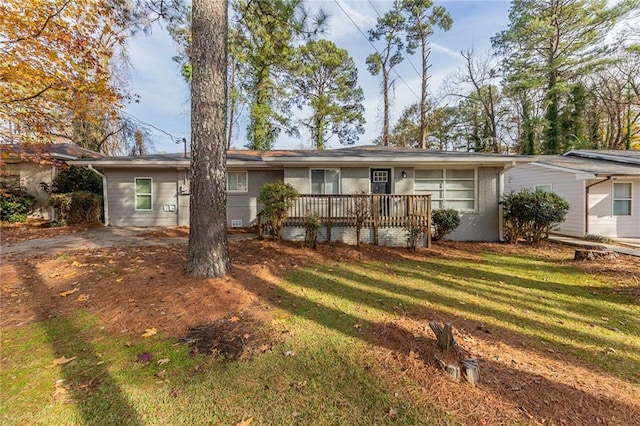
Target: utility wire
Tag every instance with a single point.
(405, 56)
(374, 46)
(173, 138)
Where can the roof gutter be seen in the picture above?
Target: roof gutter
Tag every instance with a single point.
(586, 202)
(105, 200)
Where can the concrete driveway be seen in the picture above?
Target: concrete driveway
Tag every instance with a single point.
(108, 236)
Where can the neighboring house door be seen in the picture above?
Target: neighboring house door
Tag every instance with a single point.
(381, 181)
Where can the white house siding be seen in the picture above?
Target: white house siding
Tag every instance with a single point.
(121, 197)
(244, 206)
(601, 219)
(565, 184)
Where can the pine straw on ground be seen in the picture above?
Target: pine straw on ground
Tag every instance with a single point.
(134, 288)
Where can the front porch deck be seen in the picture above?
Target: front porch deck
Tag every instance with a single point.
(364, 210)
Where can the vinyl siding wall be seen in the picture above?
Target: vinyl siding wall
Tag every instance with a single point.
(121, 197)
(565, 184)
(244, 206)
(601, 218)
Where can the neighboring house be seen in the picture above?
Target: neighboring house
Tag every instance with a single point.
(601, 187)
(153, 190)
(29, 166)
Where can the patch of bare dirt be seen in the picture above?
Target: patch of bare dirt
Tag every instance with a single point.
(11, 233)
(131, 289)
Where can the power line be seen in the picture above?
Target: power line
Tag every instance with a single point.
(173, 138)
(403, 55)
(374, 47)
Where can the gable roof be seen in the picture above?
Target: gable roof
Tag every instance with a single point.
(352, 156)
(596, 163)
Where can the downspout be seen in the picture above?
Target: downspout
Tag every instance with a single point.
(500, 192)
(586, 203)
(105, 200)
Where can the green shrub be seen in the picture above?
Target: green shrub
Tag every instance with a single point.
(444, 222)
(76, 207)
(415, 233)
(15, 204)
(311, 225)
(74, 179)
(530, 215)
(277, 198)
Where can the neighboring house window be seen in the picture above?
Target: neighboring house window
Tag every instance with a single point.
(144, 196)
(10, 174)
(545, 188)
(622, 199)
(237, 182)
(449, 188)
(325, 181)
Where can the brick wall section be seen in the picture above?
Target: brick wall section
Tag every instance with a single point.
(393, 237)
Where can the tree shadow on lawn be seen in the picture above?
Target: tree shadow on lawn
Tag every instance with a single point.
(94, 391)
(544, 398)
(370, 294)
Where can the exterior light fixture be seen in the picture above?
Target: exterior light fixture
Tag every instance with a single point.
(404, 174)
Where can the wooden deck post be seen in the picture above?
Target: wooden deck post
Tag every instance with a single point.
(429, 221)
(329, 219)
(375, 203)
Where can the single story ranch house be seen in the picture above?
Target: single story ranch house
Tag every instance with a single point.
(153, 190)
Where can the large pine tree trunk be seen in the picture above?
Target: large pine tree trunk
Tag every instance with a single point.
(207, 255)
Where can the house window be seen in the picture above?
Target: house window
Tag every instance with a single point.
(237, 182)
(622, 199)
(325, 181)
(545, 188)
(449, 188)
(144, 199)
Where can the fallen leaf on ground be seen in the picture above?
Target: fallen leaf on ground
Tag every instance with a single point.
(82, 298)
(77, 264)
(393, 413)
(245, 422)
(235, 319)
(68, 292)
(119, 280)
(63, 360)
(163, 361)
(290, 353)
(149, 332)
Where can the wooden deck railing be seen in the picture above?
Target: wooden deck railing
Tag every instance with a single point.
(370, 210)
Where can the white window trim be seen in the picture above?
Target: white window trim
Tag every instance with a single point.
(325, 181)
(135, 194)
(614, 199)
(246, 175)
(444, 190)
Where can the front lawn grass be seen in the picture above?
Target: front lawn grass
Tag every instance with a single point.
(322, 370)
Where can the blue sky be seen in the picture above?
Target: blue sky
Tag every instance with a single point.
(164, 97)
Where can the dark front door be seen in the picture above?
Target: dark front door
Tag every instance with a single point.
(381, 181)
